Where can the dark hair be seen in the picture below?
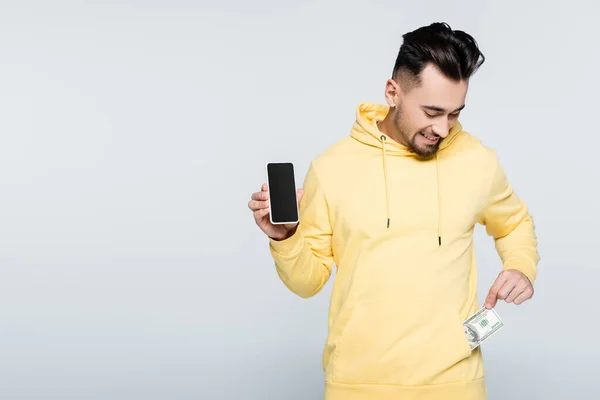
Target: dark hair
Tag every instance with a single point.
(455, 53)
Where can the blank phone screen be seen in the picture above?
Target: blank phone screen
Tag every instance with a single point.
(282, 192)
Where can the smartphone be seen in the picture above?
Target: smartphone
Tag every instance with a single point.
(281, 185)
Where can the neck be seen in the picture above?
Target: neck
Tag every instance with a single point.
(388, 127)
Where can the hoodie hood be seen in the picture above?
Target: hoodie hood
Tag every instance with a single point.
(366, 131)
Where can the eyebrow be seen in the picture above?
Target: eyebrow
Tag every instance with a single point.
(442, 110)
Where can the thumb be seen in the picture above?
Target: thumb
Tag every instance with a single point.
(491, 300)
(492, 297)
(300, 194)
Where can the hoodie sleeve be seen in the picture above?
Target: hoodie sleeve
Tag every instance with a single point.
(304, 260)
(508, 221)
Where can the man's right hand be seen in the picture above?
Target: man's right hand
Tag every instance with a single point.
(260, 207)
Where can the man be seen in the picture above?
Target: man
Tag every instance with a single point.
(394, 205)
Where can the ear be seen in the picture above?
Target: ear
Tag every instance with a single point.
(392, 93)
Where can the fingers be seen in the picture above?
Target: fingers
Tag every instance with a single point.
(256, 205)
(492, 297)
(512, 286)
(262, 195)
(259, 199)
(526, 295)
(261, 213)
(516, 292)
(506, 290)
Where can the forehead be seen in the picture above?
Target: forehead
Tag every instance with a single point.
(438, 90)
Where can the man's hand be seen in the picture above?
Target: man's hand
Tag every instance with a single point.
(511, 286)
(259, 204)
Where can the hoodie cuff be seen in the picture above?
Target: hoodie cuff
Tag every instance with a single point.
(288, 247)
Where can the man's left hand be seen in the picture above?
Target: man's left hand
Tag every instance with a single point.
(511, 286)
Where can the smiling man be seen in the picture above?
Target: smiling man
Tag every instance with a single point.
(393, 206)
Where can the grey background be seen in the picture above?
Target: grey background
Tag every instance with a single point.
(134, 132)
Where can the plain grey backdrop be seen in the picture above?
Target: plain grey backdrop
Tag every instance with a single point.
(134, 132)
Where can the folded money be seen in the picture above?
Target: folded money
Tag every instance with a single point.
(481, 325)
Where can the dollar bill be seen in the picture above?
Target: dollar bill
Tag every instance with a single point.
(481, 325)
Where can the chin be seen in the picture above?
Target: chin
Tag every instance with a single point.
(425, 150)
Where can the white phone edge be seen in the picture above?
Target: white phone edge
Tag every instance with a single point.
(269, 192)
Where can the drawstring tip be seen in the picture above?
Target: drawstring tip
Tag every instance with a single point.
(440, 240)
(388, 223)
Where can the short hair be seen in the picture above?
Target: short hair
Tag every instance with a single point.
(454, 52)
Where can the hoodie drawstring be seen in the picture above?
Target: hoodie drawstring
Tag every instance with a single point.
(439, 193)
(387, 196)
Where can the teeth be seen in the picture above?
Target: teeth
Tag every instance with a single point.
(428, 137)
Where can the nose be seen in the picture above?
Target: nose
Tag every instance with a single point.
(441, 132)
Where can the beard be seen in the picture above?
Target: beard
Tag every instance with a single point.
(412, 138)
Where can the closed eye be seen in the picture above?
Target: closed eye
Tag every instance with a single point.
(453, 115)
(439, 111)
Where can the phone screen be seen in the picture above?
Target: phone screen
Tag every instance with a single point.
(282, 193)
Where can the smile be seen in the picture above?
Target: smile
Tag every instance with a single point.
(431, 139)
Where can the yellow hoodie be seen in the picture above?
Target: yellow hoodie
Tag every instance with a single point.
(399, 229)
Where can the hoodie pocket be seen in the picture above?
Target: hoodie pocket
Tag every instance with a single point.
(386, 343)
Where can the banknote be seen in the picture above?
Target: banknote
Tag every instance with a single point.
(481, 325)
